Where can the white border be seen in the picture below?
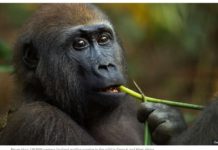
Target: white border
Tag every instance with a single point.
(108, 147)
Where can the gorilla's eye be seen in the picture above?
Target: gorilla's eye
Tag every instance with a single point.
(80, 43)
(104, 39)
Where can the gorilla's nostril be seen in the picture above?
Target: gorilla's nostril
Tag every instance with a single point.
(106, 67)
(102, 67)
(111, 66)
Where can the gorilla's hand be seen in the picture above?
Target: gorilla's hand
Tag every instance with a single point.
(164, 121)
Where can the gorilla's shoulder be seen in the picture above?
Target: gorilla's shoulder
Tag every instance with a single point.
(39, 123)
(37, 112)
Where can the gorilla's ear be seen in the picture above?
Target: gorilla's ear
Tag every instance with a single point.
(30, 56)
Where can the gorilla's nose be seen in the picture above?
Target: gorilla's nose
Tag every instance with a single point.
(106, 69)
(109, 74)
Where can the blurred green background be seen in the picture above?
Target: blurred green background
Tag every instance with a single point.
(171, 49)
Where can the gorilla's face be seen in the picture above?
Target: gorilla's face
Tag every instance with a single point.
(83, 67)
(75, 62)
(99, 61)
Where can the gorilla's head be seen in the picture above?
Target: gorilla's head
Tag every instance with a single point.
(69, 55)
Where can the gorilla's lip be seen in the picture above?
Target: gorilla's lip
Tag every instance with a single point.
(113, 89)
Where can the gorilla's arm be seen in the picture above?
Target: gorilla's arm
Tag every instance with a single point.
(203, 131)
(38, 123)
(164, 121)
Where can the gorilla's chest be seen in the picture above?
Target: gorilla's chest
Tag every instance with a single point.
(124, 131)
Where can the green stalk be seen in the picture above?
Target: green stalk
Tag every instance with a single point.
(163, 101)
(147, 135)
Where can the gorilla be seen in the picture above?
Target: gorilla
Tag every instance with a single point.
(69, 64)
(204, 131)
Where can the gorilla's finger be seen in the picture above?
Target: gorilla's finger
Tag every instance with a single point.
(156, 118)
(163, 133)
(144, 110)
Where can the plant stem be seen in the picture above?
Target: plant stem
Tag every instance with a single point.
(156, 100)
(147, 135)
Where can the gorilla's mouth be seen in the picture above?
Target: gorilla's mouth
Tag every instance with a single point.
(110, 89)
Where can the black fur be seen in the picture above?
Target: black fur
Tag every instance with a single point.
(59, 84)
(204, 131)
(66, 57)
